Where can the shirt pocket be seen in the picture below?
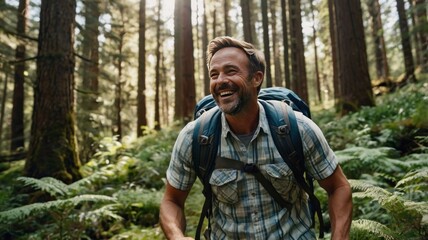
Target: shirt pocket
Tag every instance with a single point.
(282, 179)
(224, 185)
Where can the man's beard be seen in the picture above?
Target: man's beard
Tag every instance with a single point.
(233, 108)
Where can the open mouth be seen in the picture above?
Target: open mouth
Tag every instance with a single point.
(226, 93)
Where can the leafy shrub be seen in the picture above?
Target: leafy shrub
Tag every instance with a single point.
(67, 216)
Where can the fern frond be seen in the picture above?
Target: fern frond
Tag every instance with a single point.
(420, 175)
(20, 213)
(78, 185)
(373, 228)
(104, 211)
(50, 185)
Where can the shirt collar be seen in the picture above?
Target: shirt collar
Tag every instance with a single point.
(263, 125)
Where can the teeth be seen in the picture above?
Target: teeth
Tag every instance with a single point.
(226, 93)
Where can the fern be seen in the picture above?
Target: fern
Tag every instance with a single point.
(20, 213)
(49, 185)
(407, 216)
(417, 176)
(370, 230)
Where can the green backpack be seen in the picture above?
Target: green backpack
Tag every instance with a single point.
(285, 133)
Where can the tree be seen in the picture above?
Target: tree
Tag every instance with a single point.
(420, 9)
(248, 24)
(355, 85)
(298, 65)
(157, 70)
(227, 28)
(18, 91)
(285, 43)
(141, 96)
(382, 70)
(405, 43)
(204, 50)
(317, 74)
(334, 55)
(53, 147)
(183, 47)
(89, 105)
(275, 46)
(266, 45)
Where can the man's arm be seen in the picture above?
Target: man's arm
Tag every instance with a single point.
(339, 202)
(172, 218)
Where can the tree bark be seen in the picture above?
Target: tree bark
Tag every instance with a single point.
(185, 80)
(89, 105)
(18, 90)
(298, 65)
(405, 43)
(141, 96)
(53, 146)
(317, 74)
(266, 42)
(285, 44)
(354, 78)
(275, 48)
(420, 7)
(157, 68)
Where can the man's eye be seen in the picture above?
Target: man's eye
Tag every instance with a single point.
(214, 76)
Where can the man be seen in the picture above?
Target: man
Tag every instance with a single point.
(242, 208)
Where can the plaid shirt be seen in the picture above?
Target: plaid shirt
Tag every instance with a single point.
(242, 208)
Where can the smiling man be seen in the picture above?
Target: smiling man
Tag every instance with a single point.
(241, 206)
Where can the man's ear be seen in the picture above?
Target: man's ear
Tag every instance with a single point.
(258, 78)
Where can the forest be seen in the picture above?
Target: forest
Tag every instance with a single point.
(93, 94)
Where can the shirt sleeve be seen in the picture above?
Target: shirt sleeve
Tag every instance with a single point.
(180, 173)
(320, 160)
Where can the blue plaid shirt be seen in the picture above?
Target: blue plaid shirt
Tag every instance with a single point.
(242, 208)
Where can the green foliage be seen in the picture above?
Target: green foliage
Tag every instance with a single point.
(65, 217)
(406, 217)
(399, 121)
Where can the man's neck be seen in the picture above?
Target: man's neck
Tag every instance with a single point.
(244, 122)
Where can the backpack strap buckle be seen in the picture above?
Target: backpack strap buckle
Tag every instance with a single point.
(250, 168)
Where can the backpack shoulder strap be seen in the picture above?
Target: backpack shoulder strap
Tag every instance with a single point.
(206, 135)
(285, 133)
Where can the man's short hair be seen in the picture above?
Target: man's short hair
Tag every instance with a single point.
(256, 58)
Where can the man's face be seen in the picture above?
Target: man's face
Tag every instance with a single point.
(230, 83)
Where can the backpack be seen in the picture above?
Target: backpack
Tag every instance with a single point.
(286, 136)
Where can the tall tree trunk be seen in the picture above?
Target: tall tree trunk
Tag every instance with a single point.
(18, 90)
(90, 126)
(141, 96)
(53, 147)
(227, 28)
(275, 47)
(382, 71)
(405, 43)
(204, 51)
(157, 68)
(184, 54)
(317, 74)
(247, 21)
(298, 65)
(415, 36)
(117, 130)
(354, 78)
(420, 7)
(334, 47)
(285, 44)
(178, 53)
(3, 101)
(266, 44)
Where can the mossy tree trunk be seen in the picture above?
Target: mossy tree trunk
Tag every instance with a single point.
(53, 148)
